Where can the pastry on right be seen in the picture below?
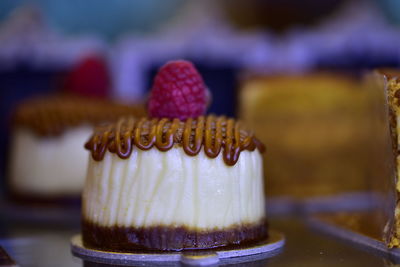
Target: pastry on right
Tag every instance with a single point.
(385, 182)
(383, 87)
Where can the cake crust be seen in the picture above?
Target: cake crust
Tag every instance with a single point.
(168, 238)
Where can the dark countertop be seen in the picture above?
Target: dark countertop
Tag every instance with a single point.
(47, 245)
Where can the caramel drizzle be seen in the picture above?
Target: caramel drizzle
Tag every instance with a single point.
(211, 132)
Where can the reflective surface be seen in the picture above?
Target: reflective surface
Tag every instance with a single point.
(46, 245)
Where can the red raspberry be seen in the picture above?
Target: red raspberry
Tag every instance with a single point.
(89, 78)
(178, 92)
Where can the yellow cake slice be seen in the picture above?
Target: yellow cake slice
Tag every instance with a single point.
(314, 126)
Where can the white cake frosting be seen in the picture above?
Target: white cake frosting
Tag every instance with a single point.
(49, 166)
(153, 188)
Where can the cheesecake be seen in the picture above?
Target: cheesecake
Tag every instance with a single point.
(161, 184)
(47, 161)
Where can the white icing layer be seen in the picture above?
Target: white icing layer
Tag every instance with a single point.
(49, 165)
(170, 188)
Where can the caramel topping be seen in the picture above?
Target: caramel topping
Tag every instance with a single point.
(211, 132)
(52, 115)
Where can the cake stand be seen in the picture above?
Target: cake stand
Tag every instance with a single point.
(262, 250)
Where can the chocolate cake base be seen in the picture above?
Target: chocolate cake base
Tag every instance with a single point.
(164, 238)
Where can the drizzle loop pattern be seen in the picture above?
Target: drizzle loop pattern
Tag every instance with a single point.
(211, 132)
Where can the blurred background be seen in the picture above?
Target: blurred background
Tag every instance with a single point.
(112, 49)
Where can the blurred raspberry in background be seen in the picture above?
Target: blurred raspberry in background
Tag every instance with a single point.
(90, 78)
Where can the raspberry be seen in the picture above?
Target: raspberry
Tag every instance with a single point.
(89, 78)
(178, 92)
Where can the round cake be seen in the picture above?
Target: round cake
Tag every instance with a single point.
(47, 161)
(171, 185)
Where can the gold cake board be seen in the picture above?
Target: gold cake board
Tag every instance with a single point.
(356, 229)
(262, 250)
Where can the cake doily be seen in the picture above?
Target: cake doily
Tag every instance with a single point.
(262, 250)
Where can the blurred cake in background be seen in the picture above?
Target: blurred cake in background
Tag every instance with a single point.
(315, 127)
(47, 159)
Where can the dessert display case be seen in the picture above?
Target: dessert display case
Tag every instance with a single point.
(280, 104)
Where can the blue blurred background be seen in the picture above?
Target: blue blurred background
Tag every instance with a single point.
(105, 18)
